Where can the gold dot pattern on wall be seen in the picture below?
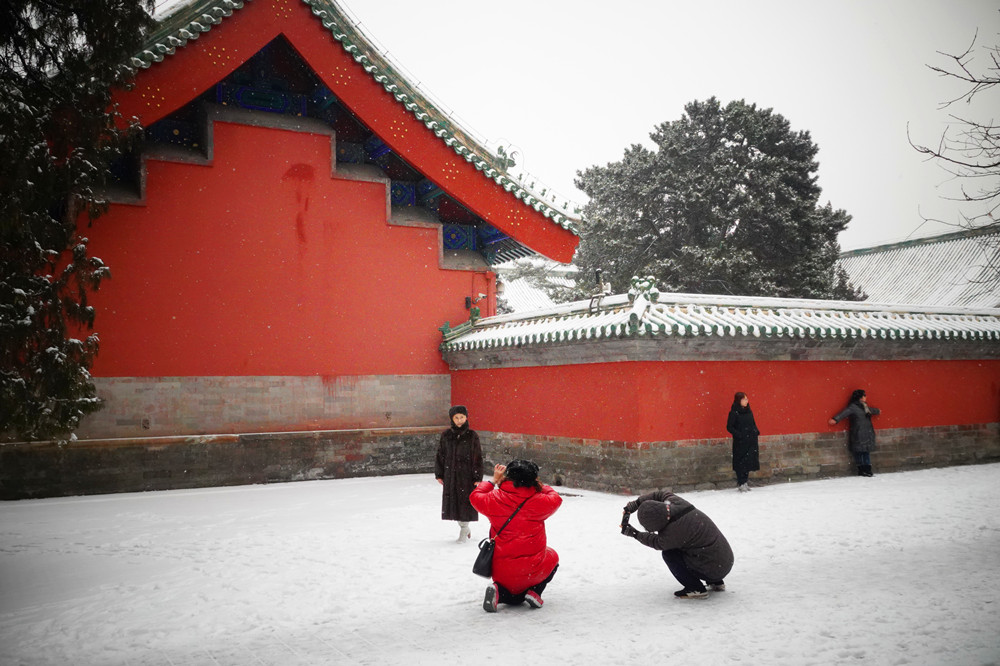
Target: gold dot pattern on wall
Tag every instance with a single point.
(398, 130)
(218, 55)
(153, 98)
(514, 216)
(283, 8)
(449, 173)
(339, 76)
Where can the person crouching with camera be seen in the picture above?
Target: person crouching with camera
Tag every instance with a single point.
(694, 549)
(523, 564)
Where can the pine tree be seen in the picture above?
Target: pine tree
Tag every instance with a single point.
(59, 61)
(727, 203)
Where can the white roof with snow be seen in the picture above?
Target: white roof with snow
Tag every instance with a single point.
(651, 314)
(521, 293)
(961, 268)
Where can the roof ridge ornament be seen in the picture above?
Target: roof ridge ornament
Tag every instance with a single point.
(507, 158)
(643, 286)
(641, 295)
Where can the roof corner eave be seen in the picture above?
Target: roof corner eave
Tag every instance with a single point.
(558, 235)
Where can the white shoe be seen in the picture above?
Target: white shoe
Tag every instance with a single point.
(464, 534)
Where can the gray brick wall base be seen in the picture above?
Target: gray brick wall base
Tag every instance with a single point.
(170, 406)
(701, 464)
(86, 467)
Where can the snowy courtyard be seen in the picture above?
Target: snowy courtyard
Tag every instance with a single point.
(897, 569)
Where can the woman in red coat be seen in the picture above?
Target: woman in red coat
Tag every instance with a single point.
(522, 562)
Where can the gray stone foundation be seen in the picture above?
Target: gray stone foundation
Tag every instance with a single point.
(638, 467)
(48, 469)
(85, 467)
(142, 407)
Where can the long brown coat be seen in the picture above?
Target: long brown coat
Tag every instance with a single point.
(459, 464)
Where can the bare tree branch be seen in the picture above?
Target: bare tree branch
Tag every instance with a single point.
(969, 150)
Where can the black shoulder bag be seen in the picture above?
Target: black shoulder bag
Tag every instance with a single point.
(484, 560)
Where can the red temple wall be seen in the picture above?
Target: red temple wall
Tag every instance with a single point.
(263, 264)
(193, 69)
(683, 400)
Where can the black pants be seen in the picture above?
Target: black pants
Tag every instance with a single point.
(690, 579)
(508, 597)
(742, 476)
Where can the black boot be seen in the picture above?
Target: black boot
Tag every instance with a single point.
(868, 470)
(861, 470)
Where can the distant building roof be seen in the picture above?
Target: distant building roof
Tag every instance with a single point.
(650, 315)
(521, 293)
(955, 269)
(522, 296)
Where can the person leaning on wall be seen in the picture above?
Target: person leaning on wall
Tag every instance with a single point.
(861, 432)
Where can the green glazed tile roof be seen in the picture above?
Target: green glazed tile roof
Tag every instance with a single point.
(186, 21)
(652, 315)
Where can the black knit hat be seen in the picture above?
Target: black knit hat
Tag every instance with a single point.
(523, 473)
(458, 409)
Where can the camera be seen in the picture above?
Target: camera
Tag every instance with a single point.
(625, 517)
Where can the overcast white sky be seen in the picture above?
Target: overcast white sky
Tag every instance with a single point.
(572, 83)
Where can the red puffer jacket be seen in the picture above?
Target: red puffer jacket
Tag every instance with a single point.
(521, 558)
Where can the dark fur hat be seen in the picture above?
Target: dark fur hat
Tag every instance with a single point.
(457, 409)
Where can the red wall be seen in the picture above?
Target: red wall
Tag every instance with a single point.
(262, 264)
(202, 63)
(665, 401)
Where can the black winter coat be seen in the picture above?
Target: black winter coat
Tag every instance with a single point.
(746, 454)
(703, 546)
(861, 433)
(459, 464)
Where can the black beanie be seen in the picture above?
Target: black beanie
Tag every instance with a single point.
(457, 409)
(653, 515)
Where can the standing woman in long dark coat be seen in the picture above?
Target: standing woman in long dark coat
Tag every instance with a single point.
(861, 433)
(746, 456)
(458, 467)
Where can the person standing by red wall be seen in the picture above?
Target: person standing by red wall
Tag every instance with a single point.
(458, 467)
(743, 428)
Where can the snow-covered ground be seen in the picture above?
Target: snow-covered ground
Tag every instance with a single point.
(897, 569)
